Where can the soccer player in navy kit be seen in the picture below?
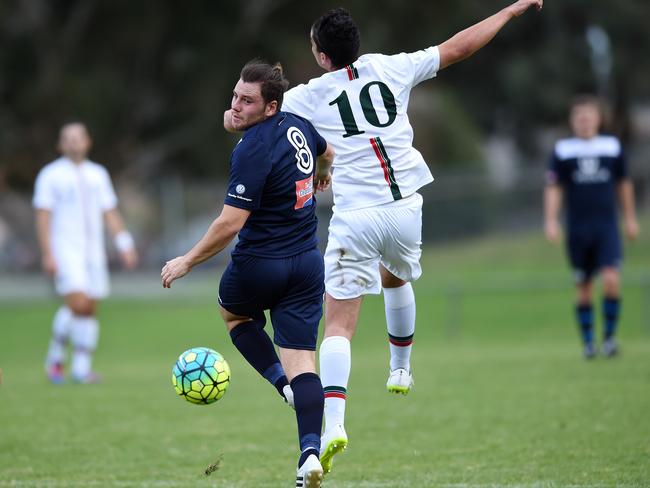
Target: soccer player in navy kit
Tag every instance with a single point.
(276, 265)
(589, 171)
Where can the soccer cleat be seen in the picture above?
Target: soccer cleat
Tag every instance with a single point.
(91, 378)
(55, 373)
(610, 348)
(288, 396)
(400, 381)
(589, 351)
(310, 474)
(332, 442)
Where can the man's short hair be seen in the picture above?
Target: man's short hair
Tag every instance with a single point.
(271, 78)
(587, 99)
(73, 122)
(336, 35)
(598, 103)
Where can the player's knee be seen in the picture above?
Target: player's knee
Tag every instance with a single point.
(231, 320)
(339, 329)
(611, 282)
(389, 280)
(584, 293)
(82, 306)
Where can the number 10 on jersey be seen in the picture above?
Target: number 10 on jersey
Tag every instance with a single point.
(369, 112)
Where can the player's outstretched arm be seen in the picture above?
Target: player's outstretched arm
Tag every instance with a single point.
(470, 40)
(626, 196)
(323, 174)
(219, 234)
(552, 204)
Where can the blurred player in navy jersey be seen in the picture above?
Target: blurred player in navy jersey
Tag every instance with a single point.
(589, 172)
(274, 170)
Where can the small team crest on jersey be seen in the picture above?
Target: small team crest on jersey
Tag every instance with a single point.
(588, 166)
(304, 193)
(240, 189)
(590, 171)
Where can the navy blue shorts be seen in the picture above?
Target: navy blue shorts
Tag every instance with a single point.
(593, 247)
(291, 288)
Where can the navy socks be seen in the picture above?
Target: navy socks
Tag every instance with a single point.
(309, 399)
(585, 317)
(255, 345)
(611, 310)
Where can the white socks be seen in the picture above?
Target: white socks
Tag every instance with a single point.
(84, 335)
(60, 335)
(335, 362)
(400, 321)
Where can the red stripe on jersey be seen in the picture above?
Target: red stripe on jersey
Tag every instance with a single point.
(381, 160)
(350, 73)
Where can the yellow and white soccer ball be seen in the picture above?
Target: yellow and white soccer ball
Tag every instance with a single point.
(201, 375)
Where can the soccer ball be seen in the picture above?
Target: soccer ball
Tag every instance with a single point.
(201, 375)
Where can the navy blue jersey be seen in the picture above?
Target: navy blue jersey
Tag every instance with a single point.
(272, 175)
(588, 171)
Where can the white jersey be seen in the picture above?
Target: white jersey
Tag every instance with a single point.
(361, 111)
(77, 195)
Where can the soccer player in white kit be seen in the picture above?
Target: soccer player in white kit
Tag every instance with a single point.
(360, 107)
(72, 197)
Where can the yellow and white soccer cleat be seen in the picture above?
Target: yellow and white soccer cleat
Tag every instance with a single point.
(400, 381)
(332, 442)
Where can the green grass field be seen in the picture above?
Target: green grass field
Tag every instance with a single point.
(502, 395)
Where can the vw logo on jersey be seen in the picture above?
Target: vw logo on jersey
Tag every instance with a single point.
(304, 157)
(240, 189)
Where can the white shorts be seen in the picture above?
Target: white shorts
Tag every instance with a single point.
(74, 275)
(360, 239)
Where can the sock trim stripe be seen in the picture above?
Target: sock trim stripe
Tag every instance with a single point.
(333, 388)
(400, 341)
(335, 394)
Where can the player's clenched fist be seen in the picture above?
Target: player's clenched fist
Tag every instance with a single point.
(521, 6)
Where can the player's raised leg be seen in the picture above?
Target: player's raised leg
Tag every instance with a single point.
(399, 302)
(611, 310)
(300, 366)
(335, 362)
(57, 349)
(255, 345)
(84, 335)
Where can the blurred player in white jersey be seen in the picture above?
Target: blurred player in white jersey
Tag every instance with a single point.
(360, 108)
(72, 197)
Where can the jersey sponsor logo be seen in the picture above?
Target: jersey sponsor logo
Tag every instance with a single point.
(240, 189)
(589, 171)
(304, 157)
(304, 193)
